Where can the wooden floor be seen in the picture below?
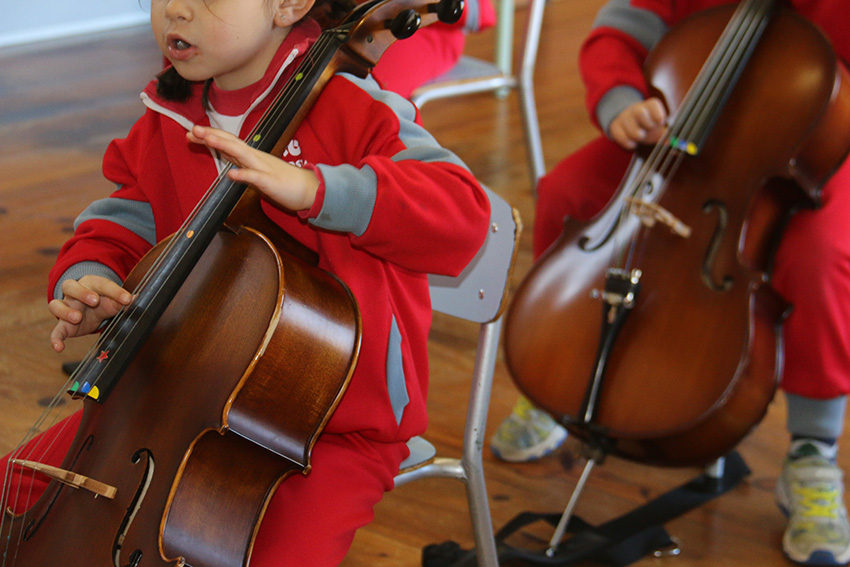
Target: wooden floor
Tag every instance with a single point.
(61, 104)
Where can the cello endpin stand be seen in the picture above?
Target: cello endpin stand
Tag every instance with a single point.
(561, 528)
(617, 542)
(640, 532)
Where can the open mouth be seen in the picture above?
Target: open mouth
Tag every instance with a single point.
(179, 49)
(179, 44)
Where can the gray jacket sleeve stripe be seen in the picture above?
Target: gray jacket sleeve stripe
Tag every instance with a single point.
(135, 216)
(424, 146)
(77, 271)
(348, 210)
(643, 25)
(613, 103)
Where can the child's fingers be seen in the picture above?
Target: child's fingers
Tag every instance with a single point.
(57, 339)
(235, 150)
(58, 336)
(104, 287)
(657, 112)
(67, 324)
(73, 289)
(64, 312)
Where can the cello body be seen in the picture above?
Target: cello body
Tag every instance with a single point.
(683, 371)
(265, 369)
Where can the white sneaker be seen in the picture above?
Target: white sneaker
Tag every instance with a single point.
(527, 434)
(810, 491)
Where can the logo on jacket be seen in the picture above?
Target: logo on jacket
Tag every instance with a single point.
(293, 150)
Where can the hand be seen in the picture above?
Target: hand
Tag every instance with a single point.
(287, 185)
(88, 302)
(640, 123)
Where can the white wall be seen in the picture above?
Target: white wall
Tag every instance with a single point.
(27, 21)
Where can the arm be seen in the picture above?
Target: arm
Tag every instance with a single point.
(611, 64)
(110, 236)
(387, 183)
(420, 206)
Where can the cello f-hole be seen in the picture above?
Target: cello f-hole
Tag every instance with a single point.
(135, 556)
(711, 254)
(135, 559)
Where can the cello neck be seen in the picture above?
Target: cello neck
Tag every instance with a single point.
(715, 82)
(354, 46)
(126, 334)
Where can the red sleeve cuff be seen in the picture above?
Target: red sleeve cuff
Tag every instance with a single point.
(313, 211)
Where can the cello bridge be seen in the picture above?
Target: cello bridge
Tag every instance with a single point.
(652, 213)
(69, 478)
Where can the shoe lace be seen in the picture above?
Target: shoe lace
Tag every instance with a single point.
(818, 501)
(522, 408)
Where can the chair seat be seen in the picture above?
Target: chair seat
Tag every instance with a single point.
(421, 453)
(470, 75)
(468, 68)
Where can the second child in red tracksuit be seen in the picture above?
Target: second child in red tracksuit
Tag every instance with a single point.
(812, 269)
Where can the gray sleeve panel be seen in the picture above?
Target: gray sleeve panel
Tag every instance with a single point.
(351, 192)
(77, 271)
(350, 195)
(643, 25)
(135, 216)
(613, 103)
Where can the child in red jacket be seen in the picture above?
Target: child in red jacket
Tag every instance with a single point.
(360, 184)
(431, 51)
(812, 269)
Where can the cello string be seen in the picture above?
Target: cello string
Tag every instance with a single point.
(18, 452)
(713, 79)
(281, 101)
(730, 67)
(700, 102)
(31, 451)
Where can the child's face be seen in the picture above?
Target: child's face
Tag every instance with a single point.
(229, 41)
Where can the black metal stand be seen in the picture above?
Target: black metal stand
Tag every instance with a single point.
(618, 542)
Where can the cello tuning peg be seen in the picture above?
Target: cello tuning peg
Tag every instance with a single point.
(404, 24)
(448, 11)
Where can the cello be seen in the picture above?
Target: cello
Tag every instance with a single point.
(652, 332)
(194, 409)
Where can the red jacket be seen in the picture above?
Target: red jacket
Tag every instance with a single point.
(392, 207)
(612, 56)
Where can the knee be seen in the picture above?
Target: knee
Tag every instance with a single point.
(813, 260)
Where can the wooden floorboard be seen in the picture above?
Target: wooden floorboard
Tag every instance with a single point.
(60, 104)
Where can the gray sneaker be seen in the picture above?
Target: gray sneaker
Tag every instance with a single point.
(527, 434)
(810, 491)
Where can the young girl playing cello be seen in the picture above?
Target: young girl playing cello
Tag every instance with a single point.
(379, 201)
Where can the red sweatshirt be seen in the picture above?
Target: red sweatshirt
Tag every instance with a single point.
(393, 206)
(612, 56)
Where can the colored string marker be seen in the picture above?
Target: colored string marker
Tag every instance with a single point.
(86, 389)
(689, 148)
